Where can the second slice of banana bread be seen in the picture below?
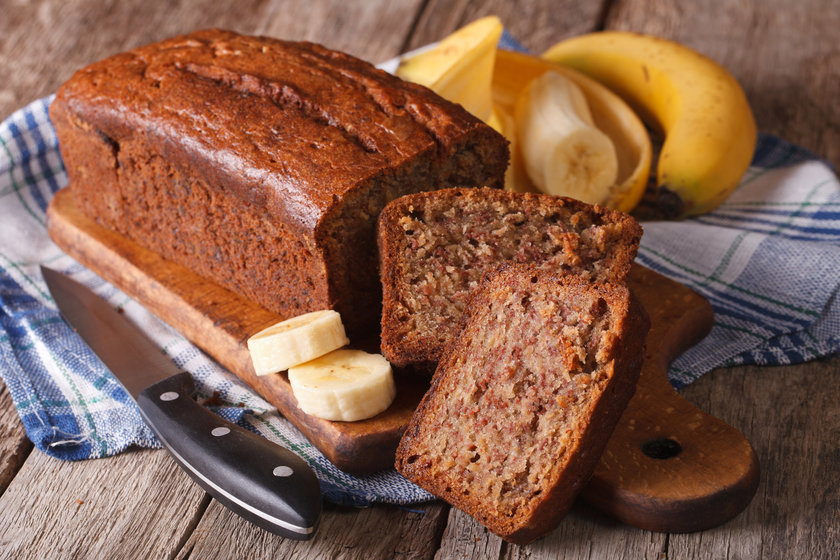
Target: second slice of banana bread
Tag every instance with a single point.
(435, 247)
(526, 397)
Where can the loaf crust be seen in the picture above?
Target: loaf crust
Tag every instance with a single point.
(525, 398)
(435, 248)
(262, 164)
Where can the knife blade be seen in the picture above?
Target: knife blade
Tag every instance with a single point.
(257, 479)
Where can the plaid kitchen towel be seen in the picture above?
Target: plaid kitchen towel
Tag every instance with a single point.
(767, 260)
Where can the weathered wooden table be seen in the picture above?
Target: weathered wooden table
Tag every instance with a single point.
(140, 505)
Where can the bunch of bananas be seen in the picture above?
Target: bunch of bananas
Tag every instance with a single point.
(571, 115)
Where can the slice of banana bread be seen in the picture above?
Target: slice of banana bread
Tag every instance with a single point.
(525, 398)
(434, 248)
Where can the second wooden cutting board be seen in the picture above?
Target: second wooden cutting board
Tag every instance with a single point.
(667, 467)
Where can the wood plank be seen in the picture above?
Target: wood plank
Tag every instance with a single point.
(43, 43)
(584, 533)
(349, 533)
(373, 31)
(790, 414)
(466, 538)
(587, 534)
(14, 445)
(138, 501)
(536, 25)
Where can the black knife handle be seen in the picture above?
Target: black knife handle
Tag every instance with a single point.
(261, 481)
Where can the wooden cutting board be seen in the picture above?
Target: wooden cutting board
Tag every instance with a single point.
(668, 466)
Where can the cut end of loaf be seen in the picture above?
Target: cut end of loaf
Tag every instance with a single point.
(349, 236)
(520, 404)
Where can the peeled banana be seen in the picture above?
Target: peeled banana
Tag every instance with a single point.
(344, 385)
(710, 131)
(564, 153)
(514, 71)
(296, 340)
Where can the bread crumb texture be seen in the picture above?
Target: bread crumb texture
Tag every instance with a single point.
(513, 400)
(444, 243)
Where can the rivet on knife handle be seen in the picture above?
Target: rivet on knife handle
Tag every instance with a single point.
(260, 481)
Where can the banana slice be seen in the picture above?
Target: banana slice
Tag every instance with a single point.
(564, 153)
(296, 340)
(345, 385)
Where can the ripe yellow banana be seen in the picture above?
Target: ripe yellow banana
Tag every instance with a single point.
(710, 131)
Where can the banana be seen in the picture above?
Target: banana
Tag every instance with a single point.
(514, 71)
(460, 67)
(345, 385)
(564, 153)
(709, 129)
(296, 340)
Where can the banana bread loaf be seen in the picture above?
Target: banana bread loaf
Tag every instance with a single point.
(525, 398)
(262, 164)
(434, 248)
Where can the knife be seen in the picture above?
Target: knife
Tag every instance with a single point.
(262, 482)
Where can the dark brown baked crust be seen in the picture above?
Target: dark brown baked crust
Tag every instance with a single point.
(262, 164)
(525, 399)
(435, 247)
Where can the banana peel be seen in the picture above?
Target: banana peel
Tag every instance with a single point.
(460, 67)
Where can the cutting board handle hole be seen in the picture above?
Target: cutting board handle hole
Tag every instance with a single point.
(661, 448)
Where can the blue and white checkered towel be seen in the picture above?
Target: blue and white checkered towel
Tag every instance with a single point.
(767, 260)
